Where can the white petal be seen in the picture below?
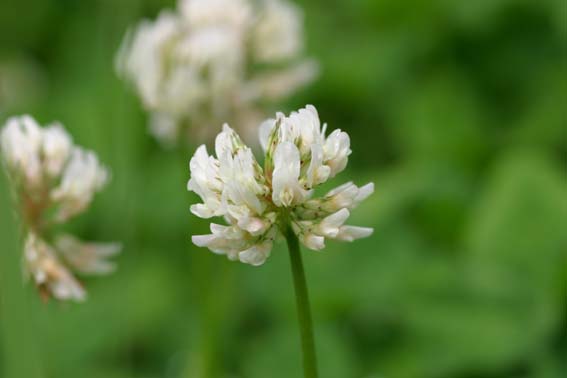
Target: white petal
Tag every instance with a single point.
(287, 190)
(364, 192)
(264, 132)
(224, 142)
(242, 188)
(202, 211)
(205, 182)
(337, 150)
(313, 242)
(254, 225)
(350, 233)
(202, 240)
(339, 189)
(330, 225)
(317, 173)
(224, 240)
(346, 196)
(257, 254)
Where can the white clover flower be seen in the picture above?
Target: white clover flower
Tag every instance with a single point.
(258, 202)
(214, 59)
(55, 180)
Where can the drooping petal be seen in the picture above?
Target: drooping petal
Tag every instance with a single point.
(346, 196)
(312, 241)
(48, 273)
(351, 233)
(330, 225)
(224, 240)
(237, 244)
(87, 257)
(257, 254)
(363, 193)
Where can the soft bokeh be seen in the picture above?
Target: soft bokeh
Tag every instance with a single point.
(456, 111)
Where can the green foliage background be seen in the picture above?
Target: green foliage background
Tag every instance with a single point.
(456, 111)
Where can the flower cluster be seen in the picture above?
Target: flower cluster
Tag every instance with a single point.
(55, 181)
(258, 203)
(213, 60)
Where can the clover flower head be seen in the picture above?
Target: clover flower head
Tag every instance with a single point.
(55, 180)
(214, 59)
(258, 201)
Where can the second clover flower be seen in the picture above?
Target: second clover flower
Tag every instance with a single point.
(55, 180)
(258, 202)
(213, 60)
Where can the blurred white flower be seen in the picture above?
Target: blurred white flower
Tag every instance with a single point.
(201, 64)
(55, 180)
(258, 202)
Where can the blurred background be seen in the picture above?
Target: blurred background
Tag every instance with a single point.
(456, 110)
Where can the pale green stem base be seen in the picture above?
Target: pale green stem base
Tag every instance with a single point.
(303, 307)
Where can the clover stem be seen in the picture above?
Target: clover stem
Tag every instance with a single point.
(303, 306)
(19, 353)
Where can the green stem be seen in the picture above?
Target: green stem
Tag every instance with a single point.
(19, 350)
(303, 307)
